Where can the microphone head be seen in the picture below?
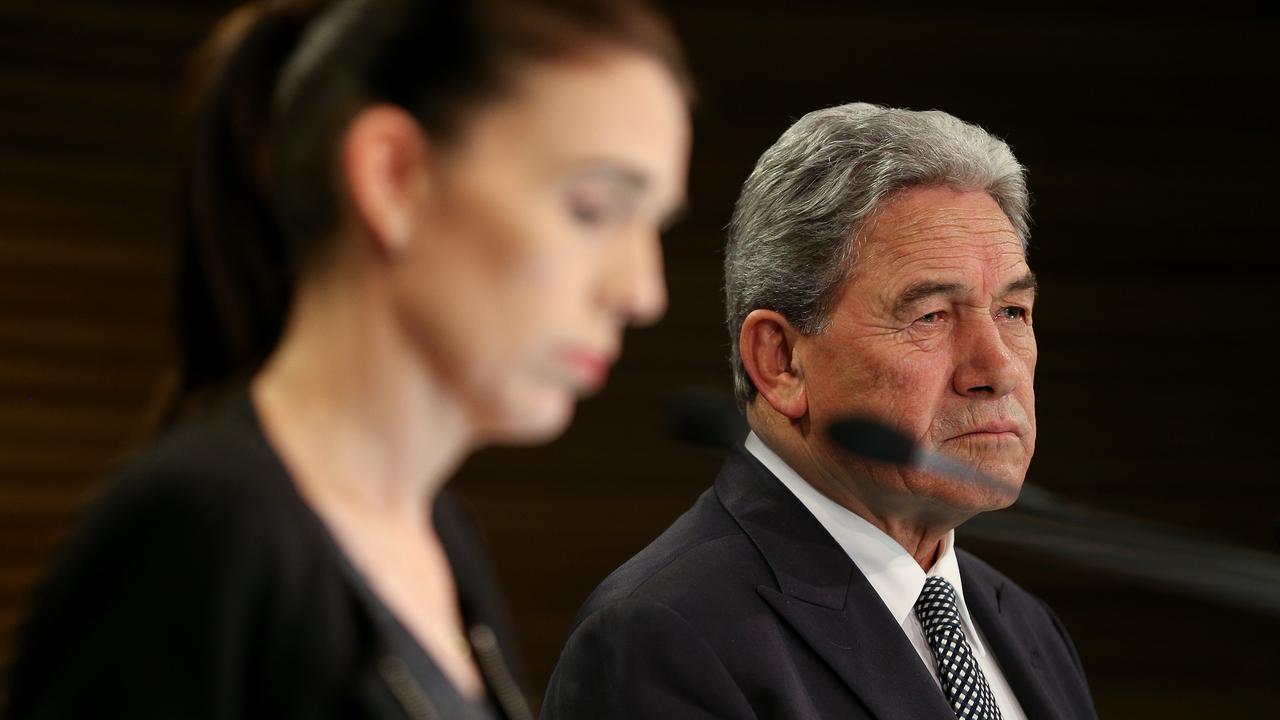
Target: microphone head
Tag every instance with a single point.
(705, 420)
(872, 440)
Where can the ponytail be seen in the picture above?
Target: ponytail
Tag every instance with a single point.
(235, 272)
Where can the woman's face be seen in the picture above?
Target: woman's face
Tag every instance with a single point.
(538, 241)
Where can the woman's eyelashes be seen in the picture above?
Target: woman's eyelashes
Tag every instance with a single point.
(591, 212)
(599, 208)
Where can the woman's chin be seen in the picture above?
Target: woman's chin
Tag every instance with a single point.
(535, 423)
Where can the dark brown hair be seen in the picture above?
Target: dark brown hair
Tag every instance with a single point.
(276, 86)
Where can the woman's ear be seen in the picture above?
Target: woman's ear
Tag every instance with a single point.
(767, 345)
(384, 153)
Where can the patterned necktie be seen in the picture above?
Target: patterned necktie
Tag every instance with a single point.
(962, 680)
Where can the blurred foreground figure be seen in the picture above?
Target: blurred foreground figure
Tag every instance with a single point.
(414, 228)
(877, 267)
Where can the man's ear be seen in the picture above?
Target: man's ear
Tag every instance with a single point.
(384, 153)
(767, 345)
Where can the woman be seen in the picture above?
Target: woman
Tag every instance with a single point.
(414, 228)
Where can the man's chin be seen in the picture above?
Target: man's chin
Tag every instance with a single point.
(1002, 498)
(964, 498)
(1001, 473)
(999, 488)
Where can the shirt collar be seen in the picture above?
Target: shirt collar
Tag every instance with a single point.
(894, 574)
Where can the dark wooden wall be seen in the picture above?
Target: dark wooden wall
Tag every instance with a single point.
(1151, 142)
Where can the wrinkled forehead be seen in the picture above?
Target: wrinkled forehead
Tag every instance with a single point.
(940, 230)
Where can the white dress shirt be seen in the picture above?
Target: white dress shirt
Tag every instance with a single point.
(893, 572)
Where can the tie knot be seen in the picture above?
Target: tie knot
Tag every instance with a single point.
(937, 604)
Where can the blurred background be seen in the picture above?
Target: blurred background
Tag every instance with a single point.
(1150, 137)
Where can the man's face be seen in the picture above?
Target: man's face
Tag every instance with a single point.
(932, 334)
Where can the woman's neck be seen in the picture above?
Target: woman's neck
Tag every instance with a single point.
(354, 411)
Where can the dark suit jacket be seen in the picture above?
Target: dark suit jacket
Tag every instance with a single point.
(747, 608)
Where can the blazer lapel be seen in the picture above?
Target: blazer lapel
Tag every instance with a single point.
(824, 597)
(1021, 665)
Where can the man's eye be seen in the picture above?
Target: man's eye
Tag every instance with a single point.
(930, 318)
(1013, 312)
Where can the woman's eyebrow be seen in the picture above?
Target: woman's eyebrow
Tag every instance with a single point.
(627, 177)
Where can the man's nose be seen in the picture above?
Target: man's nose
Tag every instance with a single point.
(985, 364)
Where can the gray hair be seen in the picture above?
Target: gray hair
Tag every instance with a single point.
(792, 237)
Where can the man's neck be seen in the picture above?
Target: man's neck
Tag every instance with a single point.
(844, 480)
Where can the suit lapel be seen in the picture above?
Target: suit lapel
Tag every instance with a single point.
(824, 597)
(1021, 665)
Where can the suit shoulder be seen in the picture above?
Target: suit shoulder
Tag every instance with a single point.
(651, 640)
(703, 553)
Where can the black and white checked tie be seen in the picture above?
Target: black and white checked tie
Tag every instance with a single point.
(962, 680)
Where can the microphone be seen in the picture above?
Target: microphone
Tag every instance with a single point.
(875, 440)
(704, 419)
(1129, 548)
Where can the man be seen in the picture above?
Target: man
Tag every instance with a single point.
(876, 266)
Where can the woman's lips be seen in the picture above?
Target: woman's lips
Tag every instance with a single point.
(589, 367)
